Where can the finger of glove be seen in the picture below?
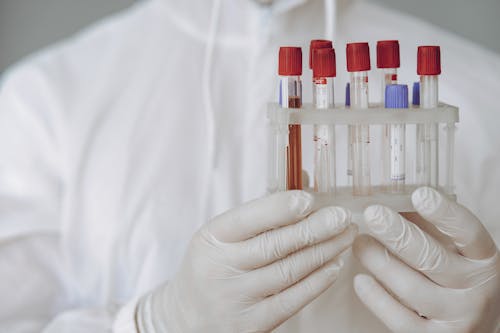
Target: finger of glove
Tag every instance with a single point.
(430, 229)
(278, 243)
(281, 274)
(260, 215)
(393, 314)
(469, 235)
(413, 246)
(410, 287)
(274, 310)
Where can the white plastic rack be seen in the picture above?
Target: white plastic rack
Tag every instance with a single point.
(445, 115)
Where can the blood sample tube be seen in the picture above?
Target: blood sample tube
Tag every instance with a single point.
(290, 71)
(428, 67)
(415, 96)
(388, 62)
(396, 97)
(358, 64)
(324, 71)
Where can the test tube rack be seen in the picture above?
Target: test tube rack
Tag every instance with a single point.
(445, 115)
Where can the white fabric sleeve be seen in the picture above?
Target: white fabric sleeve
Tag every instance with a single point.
(33, 286)
(31, 154)
(31, 283)
(31, 186)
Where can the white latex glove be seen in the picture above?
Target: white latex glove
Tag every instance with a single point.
(252, 268)
(449, 282)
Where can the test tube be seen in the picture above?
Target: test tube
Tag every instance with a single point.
(324, 70)
(428, 67)
(358, 64)
(388, 62)
(290, 71)
(349, 146)
(396, 97)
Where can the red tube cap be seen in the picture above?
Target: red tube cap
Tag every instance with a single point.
(429, 60)
(358, 57)
(290, 61)
(318, 44)
(324, 63)
(388, 54)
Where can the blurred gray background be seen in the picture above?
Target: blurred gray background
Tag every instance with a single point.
(28, 25)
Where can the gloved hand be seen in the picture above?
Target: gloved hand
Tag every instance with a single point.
(252, 268)
(449, 282)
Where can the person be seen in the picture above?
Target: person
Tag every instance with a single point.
(130, 154)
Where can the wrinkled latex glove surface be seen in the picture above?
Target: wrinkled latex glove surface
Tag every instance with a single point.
(252, 268)
(439, 273)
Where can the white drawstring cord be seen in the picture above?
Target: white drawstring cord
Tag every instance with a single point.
(207, 99)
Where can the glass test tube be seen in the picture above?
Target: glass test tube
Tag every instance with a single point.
(388, 61)
(349, 145)
(290, 70)
(428, 67)
(290, 95)
(358, 64)
(389, 76)
(360, 136)
(294, 177)
(396, 96)
(324, 71)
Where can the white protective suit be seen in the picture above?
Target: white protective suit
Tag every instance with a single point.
(118, 144)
